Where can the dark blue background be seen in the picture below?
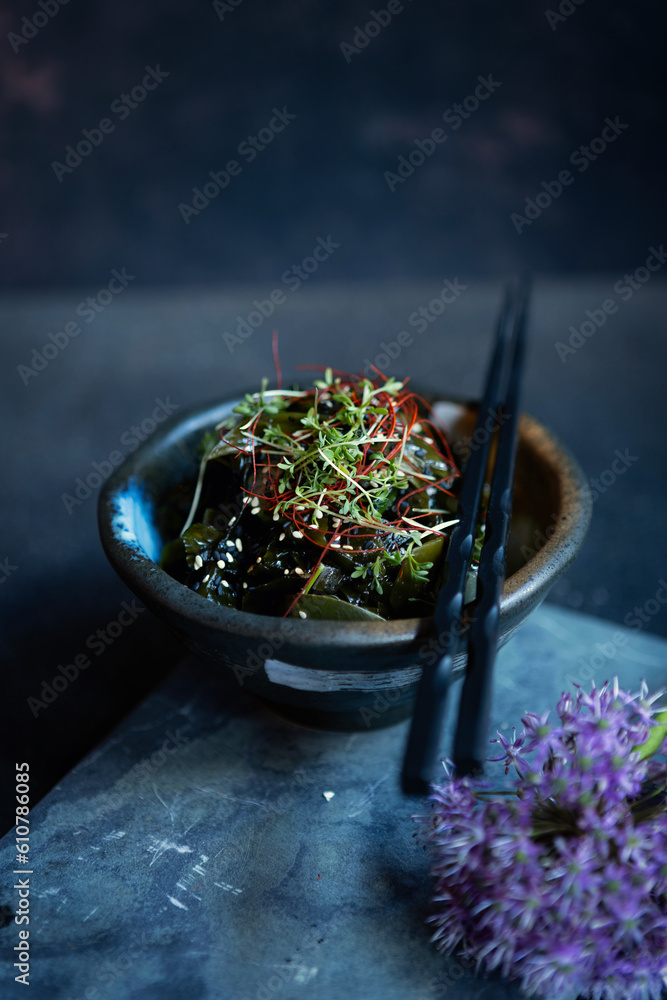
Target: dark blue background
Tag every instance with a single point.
(324, 173)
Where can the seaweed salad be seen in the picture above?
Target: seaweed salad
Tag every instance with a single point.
(333, 502)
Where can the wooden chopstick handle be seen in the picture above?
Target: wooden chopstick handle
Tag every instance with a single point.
(426, 727)
(471, 738)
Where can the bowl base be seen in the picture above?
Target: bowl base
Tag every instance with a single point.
(339, 722)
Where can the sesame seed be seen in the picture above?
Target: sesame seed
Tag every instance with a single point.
(297, 534)
(286, 572)
(246, 500)
(299, 571)
(302, 614)
(281, 536)
(220, 564)
(230, 558)
(254, 510)
(232, 522)
(239, 544)
(206, 578)
(245, 585)
(349, 548)
(224, 583)
(300, 507)
(319, 514)
(334, 545)
(254, 501)
(258, 559)
(276, 516)
(199, 562)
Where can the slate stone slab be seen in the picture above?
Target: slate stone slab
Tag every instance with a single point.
(194, 854)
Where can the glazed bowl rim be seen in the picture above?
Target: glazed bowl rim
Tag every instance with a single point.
(149, 581)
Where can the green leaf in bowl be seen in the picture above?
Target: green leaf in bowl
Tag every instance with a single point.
(331, 609)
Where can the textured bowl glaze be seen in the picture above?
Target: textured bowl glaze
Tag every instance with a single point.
(344, 675)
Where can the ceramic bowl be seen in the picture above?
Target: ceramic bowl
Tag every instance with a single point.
(337, 675)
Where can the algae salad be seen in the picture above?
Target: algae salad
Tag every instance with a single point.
(332, 502)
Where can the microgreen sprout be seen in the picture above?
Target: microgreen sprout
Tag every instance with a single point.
(417, 570)
(372, 570)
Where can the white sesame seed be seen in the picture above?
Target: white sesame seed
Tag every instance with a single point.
(297, 534)
(286, 572)
(299, 571)
(239, 544)
(224, 583)
(245, 585)
(276, 516)
(230, 557)
(220, 564)
(281, 536)
(254, 501)
(302, 614)
(199, 562)
(319, 514)
(349, 548)
(206, 578)
(246, 500)
(300, 507)
(334, 545)
(254, 510)
(258, 559)
(232, 522)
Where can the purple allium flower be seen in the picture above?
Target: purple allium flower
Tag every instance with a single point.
(561, 884)
(512, 752)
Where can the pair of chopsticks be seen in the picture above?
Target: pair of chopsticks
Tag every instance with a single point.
(500, 401)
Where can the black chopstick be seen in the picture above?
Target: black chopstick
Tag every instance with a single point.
(428, 716)
(471, 740)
